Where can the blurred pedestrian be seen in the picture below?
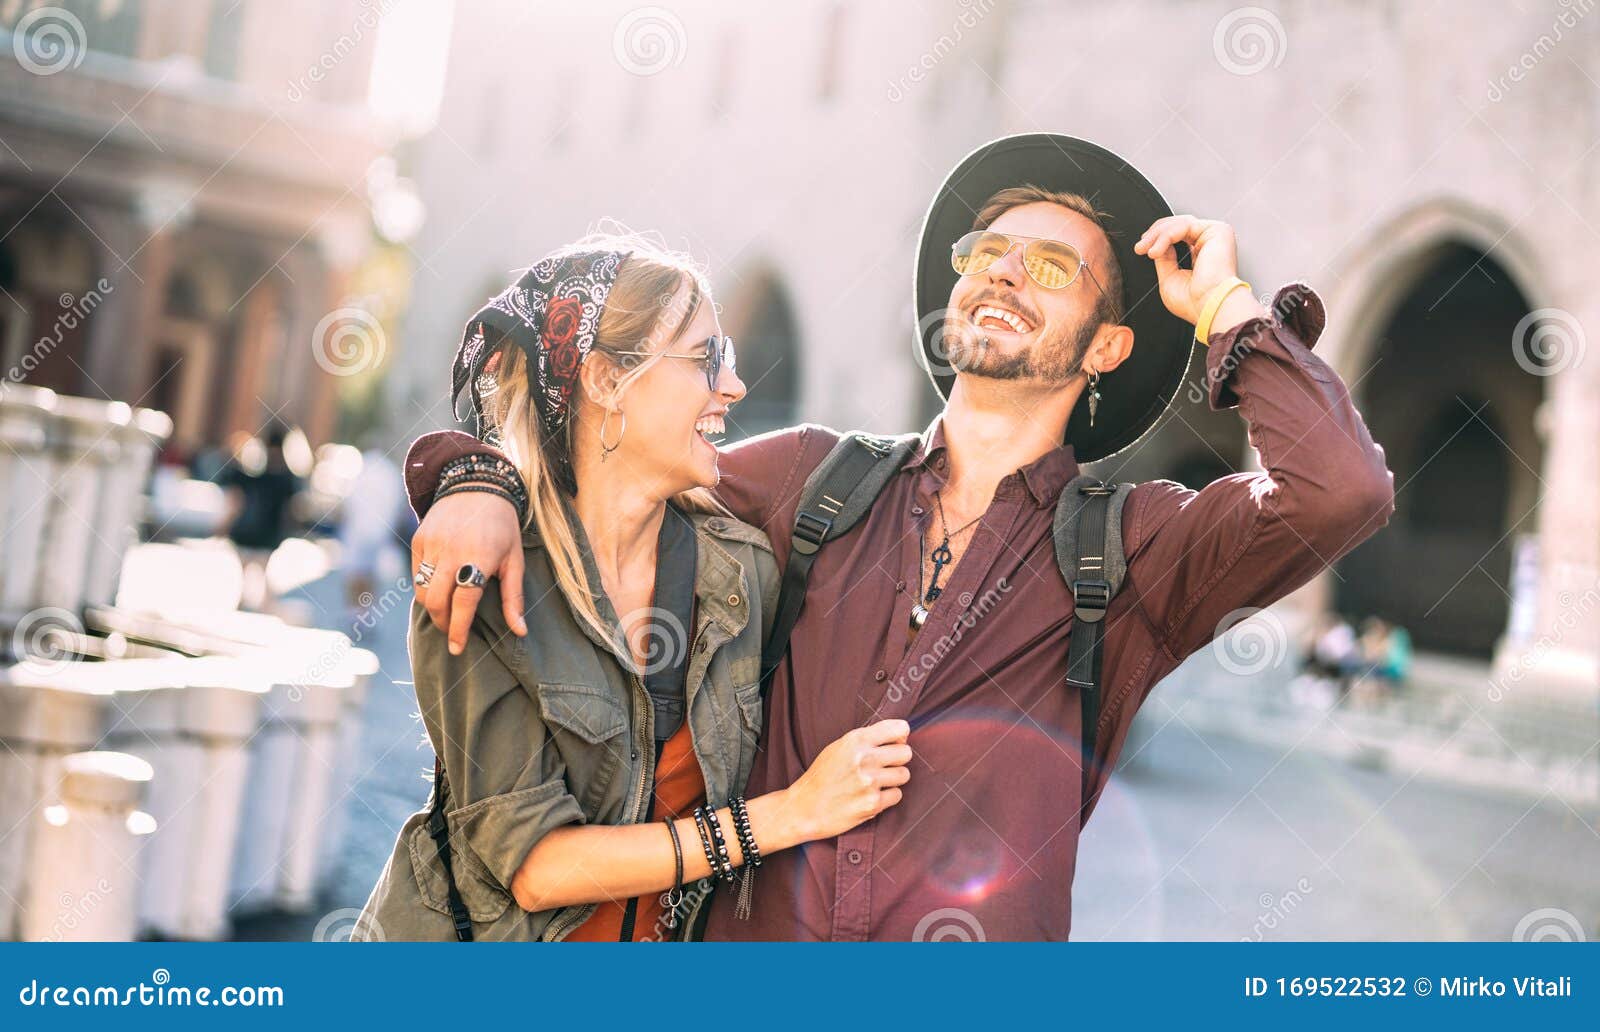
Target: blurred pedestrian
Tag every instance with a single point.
(261, 483)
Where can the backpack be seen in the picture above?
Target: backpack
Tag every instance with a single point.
(1087, 533)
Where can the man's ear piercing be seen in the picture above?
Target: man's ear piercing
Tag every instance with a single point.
(1094, 393)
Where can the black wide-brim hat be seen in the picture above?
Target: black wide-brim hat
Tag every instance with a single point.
(1135, 394)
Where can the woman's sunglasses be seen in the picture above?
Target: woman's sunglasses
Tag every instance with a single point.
(718, 354)
(1052, 264)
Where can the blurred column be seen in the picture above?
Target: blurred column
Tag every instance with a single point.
(122, 332)
(26, 474)
(191, 720)
(46, 712)
(83, 880)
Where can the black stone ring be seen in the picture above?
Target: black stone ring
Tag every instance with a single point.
(469, 576)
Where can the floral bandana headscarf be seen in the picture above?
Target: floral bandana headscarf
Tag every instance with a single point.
(552, 313)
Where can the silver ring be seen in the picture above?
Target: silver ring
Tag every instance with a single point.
(425, 571)
(469, 576)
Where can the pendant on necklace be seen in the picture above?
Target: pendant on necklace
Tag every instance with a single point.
(919, 615)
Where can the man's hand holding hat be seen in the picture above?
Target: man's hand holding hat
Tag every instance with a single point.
(1214, 254)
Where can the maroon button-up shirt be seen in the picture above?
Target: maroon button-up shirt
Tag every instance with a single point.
(988, 826)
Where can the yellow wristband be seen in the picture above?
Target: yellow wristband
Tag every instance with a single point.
(1208, 311)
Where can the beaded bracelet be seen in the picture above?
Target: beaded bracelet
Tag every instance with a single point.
(752, 857)
(484, 469)
(724, 862)
(513, 492)
(705, 840)
(507, 479)
(475, 485)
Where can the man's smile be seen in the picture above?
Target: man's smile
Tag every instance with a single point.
(994, 317)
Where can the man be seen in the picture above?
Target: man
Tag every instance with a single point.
(944, 606)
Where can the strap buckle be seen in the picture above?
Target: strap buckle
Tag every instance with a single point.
(1090, 600)
(810, 530)
(1096, 490)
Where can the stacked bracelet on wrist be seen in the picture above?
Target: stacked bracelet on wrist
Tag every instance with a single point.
(701, 825)
(489, 473)
(724, 862)
(672, 899)
(752, 857)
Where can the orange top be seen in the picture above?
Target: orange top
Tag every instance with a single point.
(680, 787)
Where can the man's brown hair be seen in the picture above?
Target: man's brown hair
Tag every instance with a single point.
(1109, 307)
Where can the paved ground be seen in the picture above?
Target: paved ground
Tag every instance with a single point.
(1204, 838)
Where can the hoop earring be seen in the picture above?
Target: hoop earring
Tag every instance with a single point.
(607, 449)
(1094, 393)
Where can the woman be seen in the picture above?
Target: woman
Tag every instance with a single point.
(592, 770)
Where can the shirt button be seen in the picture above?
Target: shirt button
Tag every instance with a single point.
(879, 676)
(854, 856)
(733, 600)
(916, 510)
(899, 586)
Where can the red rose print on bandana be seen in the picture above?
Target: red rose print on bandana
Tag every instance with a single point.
(561, 321)
(564, 359)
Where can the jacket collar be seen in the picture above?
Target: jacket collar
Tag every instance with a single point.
(721, 589)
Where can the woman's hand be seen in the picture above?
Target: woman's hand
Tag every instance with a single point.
(857, 777)
(470, 527)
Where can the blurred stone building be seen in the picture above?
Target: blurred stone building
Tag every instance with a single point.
(1429, 168)
(181, 203)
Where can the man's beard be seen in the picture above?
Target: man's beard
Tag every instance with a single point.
(1053, 359)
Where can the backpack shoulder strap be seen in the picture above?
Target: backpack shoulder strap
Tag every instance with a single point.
(836, 495)
(1088, 542)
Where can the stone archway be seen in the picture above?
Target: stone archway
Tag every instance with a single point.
(1432, 360)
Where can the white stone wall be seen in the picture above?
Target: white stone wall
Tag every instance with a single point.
(1339, 138)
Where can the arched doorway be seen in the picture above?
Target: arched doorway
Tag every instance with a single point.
(1444, 393)
(762, 323)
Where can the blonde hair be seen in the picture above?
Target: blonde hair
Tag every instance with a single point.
(642, 297)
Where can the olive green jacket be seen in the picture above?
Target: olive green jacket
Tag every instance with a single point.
(553, 729)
